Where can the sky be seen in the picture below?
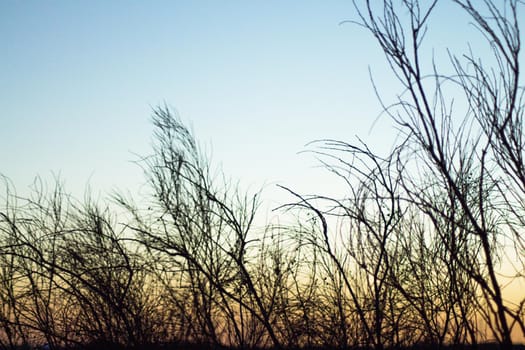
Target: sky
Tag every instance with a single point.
(255, 80)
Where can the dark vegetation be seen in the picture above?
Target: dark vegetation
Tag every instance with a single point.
(409, 256)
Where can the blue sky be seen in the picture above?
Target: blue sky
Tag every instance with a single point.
(256, 80)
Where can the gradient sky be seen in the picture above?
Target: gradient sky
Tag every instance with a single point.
(257, 80)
